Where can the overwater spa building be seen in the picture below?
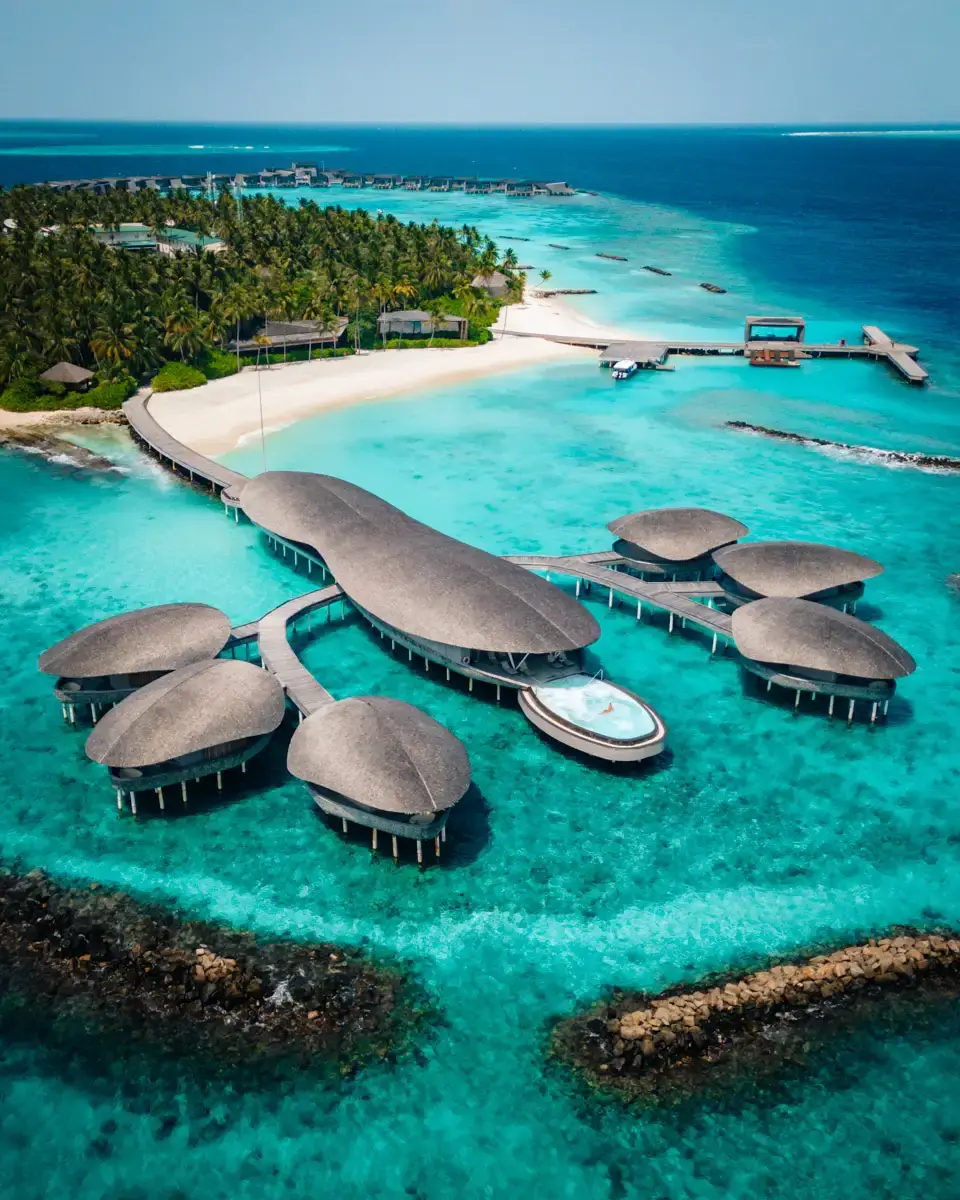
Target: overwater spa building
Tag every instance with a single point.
(808, 647)
(382, 764)
(794, 570)
(103, 663)
(199, 720)
(460, 608)
(673, 543)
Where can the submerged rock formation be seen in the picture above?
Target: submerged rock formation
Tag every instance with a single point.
(55, 449)
(643, 1045)
(188, 987)
(906, 458)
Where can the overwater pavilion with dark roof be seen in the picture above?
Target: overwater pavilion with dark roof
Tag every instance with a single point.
(673, 542)
(197, 721)
(794, 570)
(104, 663)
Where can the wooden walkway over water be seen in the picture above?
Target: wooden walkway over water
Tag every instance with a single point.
(877, 347)
(197, 467)
(689, 600)
(278, 655)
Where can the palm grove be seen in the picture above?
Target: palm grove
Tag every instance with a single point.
(66, 297)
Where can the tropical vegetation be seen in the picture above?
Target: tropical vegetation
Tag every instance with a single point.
(124, 313)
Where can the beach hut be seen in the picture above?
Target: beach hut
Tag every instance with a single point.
(808, 647)
(796, 570)
(382, 764)
(674, 543)
(496, 284)
(103, 663)
(69, 374)
(197, 721)
(415, 322)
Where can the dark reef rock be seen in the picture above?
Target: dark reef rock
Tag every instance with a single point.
(686, 1040)
(906, 458)
(97, 956)
(54, 449)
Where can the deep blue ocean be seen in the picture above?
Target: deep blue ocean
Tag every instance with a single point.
(760, 833)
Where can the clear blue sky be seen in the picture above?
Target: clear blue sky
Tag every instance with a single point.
(516, 62)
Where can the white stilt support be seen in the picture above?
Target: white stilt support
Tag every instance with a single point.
(133, 803)
(436, 846)
(886, 705)
(409, 656)
(470, 683)
(769, 681)
(394, 848)
(670, 628)
(344, 820)
(873, 713)
(498, 693)
(830, 706)
(448, 674)
(243, 765)
(713, 650)
(796, 702)
(63, 709)
(183, 790)
(119, 800)
(639, 609)
(219, 781)
(373, 839)
(443, 834)
(578, 587)
(850, 710)
(159, 792)
(73, 714)
(420, 851)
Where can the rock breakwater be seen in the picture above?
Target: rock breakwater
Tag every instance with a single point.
(897, 458)
(643, 1045)
(188, 987)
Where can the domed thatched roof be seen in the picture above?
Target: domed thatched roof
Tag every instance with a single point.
(793, 569)
(381, 753)
(677, 534)
(805, 634)
(412, 577)
(161, 638)
(194, 708)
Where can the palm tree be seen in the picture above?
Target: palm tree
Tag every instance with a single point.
(238, 303)
(514, 295)
(545, 275)
(438, 312)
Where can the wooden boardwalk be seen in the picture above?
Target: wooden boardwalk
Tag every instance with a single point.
(197, 467)
(280, 658)
(674, 598)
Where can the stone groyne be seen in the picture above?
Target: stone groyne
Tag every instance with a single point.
(134, 971)
(682, 1040)
(898, 458)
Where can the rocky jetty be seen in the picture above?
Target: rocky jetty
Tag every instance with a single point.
(613, 257)
(189, 988)
(642, 1045)
(54, 449)
(906, 458)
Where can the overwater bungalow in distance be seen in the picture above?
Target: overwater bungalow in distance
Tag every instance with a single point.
(461, 608)
(808, 647)
(197, 721)
(382, 764)
(103, 663)
(675, 543)
(794, 570)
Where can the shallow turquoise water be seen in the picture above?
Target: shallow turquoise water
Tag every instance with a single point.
(757, 833)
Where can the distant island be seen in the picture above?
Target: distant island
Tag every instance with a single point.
(99, 290)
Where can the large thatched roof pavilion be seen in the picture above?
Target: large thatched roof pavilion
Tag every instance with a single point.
(804, 646)
(674, 542)
(794, 570)
(198, 720)
(383, 764)
(414, 578)
(107, 661)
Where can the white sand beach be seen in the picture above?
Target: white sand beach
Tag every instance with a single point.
(215, 419)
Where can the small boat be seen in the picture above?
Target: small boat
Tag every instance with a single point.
(712, 287)
(624, 368)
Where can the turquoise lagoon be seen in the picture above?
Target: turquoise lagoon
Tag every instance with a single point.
(758, 832)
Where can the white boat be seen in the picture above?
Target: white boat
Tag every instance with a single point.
(624, 368)
(594, 716)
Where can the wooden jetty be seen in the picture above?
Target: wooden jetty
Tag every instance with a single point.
(877, 347)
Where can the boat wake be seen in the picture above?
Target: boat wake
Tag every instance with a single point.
(935, 463)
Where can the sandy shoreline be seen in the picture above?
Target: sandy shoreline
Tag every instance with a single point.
(215, 419)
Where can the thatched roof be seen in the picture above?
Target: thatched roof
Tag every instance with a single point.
(380, 753)
(194, 708)
(65, 372)
(160, 638)
(412, 577)
(805, 634)
(793, 569)
(677, 534)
